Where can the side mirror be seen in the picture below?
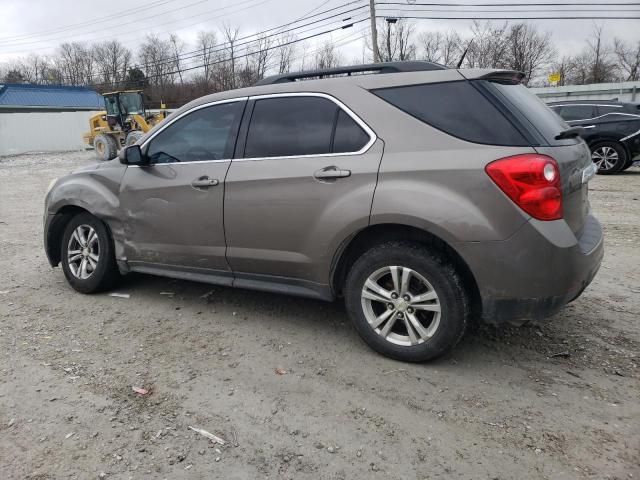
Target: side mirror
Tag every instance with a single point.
(132, 155)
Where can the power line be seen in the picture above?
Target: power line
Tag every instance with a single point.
(198, 2)
(506, 11)
(170, 22)
(514, 18)
(219, 61)
(520, 4)
(87, 22)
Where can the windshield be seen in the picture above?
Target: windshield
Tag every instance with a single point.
(131, 103)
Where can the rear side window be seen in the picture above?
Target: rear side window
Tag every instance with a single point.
(349, 136)
(604, 109)
(295, 126)
(290, 126)
(577, 112)
(456, 108)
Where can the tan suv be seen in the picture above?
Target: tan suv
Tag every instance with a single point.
(424, 196)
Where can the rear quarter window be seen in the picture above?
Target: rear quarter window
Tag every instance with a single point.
(456, 108)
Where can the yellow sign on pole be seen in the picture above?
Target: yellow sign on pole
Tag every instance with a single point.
(554, 78)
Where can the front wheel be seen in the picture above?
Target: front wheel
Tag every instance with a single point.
(609, 157)
(88, 258)
(405, 302)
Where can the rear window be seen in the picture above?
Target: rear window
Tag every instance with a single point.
(531, 112)
(456, 108)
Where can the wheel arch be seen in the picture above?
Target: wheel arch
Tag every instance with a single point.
(373, 235)
(56, 227)
(598, 138)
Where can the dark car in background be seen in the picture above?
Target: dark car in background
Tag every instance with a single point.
(611, 129)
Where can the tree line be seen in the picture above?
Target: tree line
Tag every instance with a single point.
(172, 72)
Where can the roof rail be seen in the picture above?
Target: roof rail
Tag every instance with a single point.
(383, 67)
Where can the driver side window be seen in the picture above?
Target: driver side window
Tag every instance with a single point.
(205, 134)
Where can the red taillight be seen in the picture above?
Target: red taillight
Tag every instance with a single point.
(532, 181)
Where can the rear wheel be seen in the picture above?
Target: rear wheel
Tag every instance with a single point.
(87, 255)
(405, 302)
(106, 147)
(609, 157)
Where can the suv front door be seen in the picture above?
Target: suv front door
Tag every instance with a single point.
(173, 207)
(306, 175)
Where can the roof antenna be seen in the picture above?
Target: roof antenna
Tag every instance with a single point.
(464, 54)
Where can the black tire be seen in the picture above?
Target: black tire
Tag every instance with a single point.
(453, 299)
(106, 271)
(106, 147)
(628, 164)
(132, 137)
(597, 152)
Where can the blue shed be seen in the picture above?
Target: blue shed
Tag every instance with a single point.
(16, 97)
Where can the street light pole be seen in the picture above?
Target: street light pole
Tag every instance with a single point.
(374, 31)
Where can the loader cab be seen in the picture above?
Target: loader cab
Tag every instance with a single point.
(120, 105)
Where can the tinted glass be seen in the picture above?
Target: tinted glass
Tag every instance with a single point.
(205, 134)
(349, 136)
(530, 110)
(604, 109)
(577, 112)
(456, 108)
(290, 126)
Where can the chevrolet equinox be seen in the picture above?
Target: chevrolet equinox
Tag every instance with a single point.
(424, 196)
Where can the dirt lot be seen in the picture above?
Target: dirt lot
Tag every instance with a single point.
(559, 400)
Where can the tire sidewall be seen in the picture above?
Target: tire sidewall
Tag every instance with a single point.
(446, 283)
(96, 280)
(620, 150)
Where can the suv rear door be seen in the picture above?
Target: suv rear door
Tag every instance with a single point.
(305, 172)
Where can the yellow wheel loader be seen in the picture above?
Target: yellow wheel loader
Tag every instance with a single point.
(123, 122)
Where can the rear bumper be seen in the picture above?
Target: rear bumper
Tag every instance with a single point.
(537, 271)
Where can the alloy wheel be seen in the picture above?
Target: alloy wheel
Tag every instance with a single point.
(605, 158)
(83, 252)
(401, 305)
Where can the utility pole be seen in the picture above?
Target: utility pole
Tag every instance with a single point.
(374, 31)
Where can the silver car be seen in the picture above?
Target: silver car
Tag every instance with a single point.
(426, 197)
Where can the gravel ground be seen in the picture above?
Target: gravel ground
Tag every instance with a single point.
(557, 400)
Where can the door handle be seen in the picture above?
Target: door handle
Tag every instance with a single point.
(330, 173)
(589, 126)
(204, 182)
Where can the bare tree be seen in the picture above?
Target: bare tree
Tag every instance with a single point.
(76, 63)
(228, 70)
(431, 46)
(177, 48)
(327, 56)
(395, 41)
(112, 62)
(628, 58)
(528, 50)
(601, 67)
(34, 68)
(285, 51)
(157, 61)
(488, 46)
(206, 43)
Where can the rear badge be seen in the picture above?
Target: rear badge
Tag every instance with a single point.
(589, 172)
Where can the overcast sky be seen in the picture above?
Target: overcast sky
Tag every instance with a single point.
(38, 26)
